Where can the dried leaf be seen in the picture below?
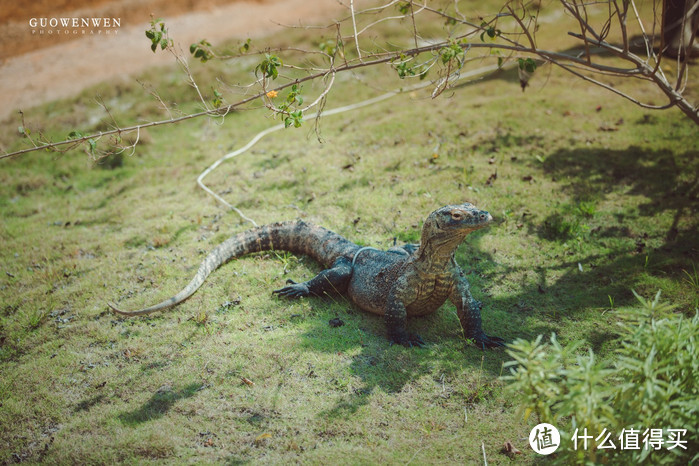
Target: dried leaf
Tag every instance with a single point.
(248, 381)
(491, 179)
(510, 449)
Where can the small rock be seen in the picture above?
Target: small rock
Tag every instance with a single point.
(336, 322)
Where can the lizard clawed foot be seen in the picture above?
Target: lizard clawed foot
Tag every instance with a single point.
(294, 290)
(484, 341)
(407, 339)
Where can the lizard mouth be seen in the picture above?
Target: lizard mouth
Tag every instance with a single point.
(480, 219)
(484, 217)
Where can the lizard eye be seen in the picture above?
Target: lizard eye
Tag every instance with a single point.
(457, 215)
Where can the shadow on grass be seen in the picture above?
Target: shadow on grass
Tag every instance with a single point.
(391, 368)
(86, 404)
(159, 404)
(670, 181)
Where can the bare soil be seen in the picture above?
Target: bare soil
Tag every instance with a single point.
(38, 67)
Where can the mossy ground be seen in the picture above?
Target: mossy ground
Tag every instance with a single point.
(592, 197)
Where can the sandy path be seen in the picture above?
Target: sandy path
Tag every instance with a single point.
(65, 69)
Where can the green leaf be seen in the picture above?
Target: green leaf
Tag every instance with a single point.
(245, 47)
(268, 66)
(527, 64)
(218, 98)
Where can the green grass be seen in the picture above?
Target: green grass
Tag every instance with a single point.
(581, 215)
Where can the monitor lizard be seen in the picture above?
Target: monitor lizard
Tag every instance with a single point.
(404, 281)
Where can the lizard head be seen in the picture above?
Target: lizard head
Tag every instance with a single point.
(459, 219)
(446, 228)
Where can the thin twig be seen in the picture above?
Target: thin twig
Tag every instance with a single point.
(354, 28)
(412, 17)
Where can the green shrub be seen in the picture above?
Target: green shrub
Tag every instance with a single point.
(651, 385)
(558, 227)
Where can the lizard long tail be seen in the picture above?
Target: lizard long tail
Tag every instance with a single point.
(297, 237)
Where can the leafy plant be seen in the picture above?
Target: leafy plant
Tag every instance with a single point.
(36, 318)
(692, 278)
(294, 118)
(452, 52)
(526, 64)
(587, 208)
(245, 46)
(268, 66)
(489, 31)
(404, 68)
(560, 227)
(218, 98)
(286, 258)
(652, 385)
(92, 144)
(202, 50)
(293, 99)
(330, 47)
(158, 35)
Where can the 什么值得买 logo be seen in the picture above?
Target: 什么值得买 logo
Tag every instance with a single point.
(545, 439)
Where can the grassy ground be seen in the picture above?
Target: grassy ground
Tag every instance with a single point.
(592, 197)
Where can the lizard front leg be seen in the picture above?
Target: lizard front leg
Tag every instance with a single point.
(396, 316)
(332, 280)
(469, 311)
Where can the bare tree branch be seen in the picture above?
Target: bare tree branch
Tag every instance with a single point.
(511, 31)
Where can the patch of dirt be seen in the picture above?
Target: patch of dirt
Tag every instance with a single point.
(40, 64)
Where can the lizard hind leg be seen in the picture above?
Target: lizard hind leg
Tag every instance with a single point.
(330, 281)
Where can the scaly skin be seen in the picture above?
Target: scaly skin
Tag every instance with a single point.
(401, 282)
